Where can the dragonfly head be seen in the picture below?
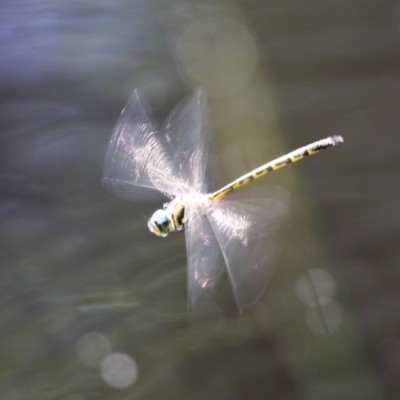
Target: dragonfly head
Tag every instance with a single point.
(161, 223)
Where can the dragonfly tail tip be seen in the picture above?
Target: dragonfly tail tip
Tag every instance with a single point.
(337, 139)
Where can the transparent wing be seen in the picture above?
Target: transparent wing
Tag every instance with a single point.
(204, 258)
(248, 234)
(141, 162)
(186, 137)
(136, 160)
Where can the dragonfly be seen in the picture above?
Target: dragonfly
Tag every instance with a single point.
(225, 226)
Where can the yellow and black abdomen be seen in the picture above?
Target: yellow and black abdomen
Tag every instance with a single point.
(278, 163)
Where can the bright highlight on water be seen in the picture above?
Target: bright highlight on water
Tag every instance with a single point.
(141, 162)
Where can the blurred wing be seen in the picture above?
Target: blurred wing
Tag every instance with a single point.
(141, 161)
(247, 233)
(204, 258)
(137, 164)
(185, 135)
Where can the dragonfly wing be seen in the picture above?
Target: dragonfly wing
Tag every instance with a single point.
(204, 258)
(248, 234)
(185, 135)
(137, 163)
(140, 159)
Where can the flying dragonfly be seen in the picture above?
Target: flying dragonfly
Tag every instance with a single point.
(143, 162)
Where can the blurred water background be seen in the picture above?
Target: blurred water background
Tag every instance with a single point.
(93, 306)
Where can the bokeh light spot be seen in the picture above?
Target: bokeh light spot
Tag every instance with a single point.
(324, 317)
(316, 284)
(217, 53)
(92, 348)
(119, 370)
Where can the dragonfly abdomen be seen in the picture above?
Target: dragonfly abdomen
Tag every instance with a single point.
(278, 163)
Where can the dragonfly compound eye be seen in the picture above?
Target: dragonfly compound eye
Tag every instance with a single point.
(160, 223)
